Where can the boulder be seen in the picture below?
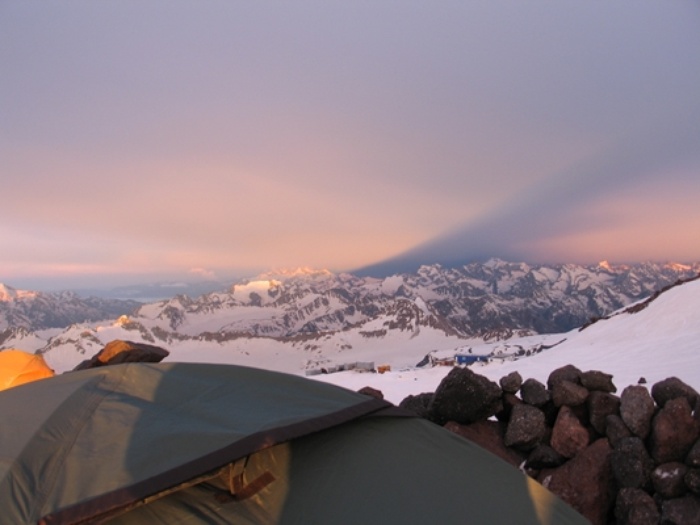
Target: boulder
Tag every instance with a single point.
(636, 409)
(565, 373)
(672, 388)
(585, 482)
(373, 392)
(534, 393)
(509, 401)
(693, 457)
(418, 404)
(569, 436)
(595, 380)
(635, 507)
(465, 397)
(674, 432)
(488, 435)
(511, 383)
(544, 456)
(668, 480)
(600, 406)
(615, 429)
(692, 480)
(681, 511)
(118, 351)
(526, 427)
(631, 464)
(565, 392)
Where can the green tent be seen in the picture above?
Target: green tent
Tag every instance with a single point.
(173, 443)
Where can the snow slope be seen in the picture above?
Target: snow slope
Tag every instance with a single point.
(660, 341)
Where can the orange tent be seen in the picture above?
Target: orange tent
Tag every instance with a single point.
(18, 367)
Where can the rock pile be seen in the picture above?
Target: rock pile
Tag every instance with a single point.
(632, 458)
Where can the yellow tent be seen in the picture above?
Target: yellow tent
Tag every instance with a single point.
(18, 367)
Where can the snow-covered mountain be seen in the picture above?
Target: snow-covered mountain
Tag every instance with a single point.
(31, 310)
(493, 300)
(308, 319)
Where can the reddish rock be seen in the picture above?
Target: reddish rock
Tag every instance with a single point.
(369, 391)
(118, 351)
(635, 507)
(600, 406)
(585, 482)
(569, 436)
(488, 435)
(674, 432)
(636, 409)
(565, 392)
(595, 380)
(668, 480)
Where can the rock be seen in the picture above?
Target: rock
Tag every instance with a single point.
(597, 381)
(509, 401)
(668, 480)
(118, 351)
(636, 409)
(488, 435)
(681, 511)
(418, 404)
(511, 383)
(635, 507)
(565, 373)
(569, 436)
(526, 427)
(631, 464)
(544, 456)
(465, 397)
(565, 392)
(585, 482)
(692, 480)
(600, 406)
(534, 393)
(671, 388)
(693, 457)
(369, 391)
(615, 429)
(642, 381)
(674, 432)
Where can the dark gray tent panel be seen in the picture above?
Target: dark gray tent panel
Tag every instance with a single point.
(194, 443)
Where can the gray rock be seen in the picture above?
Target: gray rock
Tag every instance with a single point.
(465, 397)
(594, 380)
(681, 511)
(565, 392)
(600, 406)
(692, 480)
(635, 507)
(636, 409)
(672, 388)
(631, 464)
(534, 393)
(511, 383)
(526, 427)
(615, 429)
(565, 373)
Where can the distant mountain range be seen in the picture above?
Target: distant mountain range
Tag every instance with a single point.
(317, 309)
(32, 310)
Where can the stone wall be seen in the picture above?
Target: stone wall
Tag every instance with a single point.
(632, 458)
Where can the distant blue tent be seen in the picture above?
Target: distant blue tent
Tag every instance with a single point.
(464, 359)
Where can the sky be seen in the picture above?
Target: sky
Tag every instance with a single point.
(153, 140)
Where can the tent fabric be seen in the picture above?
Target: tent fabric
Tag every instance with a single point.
(194, 443)
(18, 367)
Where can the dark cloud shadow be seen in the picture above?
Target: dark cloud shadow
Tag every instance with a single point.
(560, 205)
